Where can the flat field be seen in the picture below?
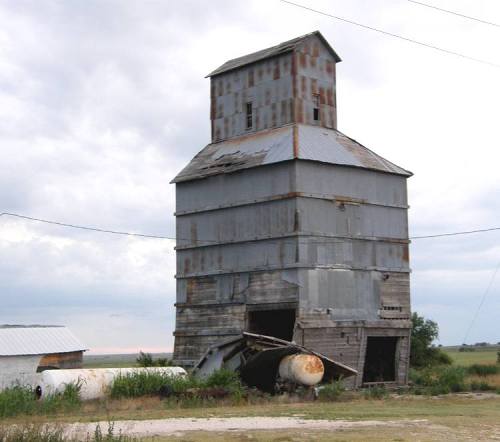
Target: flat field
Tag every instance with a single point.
(480, 355)
(116, 360)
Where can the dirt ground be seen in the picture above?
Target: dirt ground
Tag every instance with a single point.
(287, 429)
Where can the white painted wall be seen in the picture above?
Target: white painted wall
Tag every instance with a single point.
(18, 370)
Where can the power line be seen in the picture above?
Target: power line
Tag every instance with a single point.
(466, 232)
(455, 13)
(74, 226)
(143, 235)
(481, 302)
(390, 34)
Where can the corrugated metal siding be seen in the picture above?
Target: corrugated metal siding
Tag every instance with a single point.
(37, 340)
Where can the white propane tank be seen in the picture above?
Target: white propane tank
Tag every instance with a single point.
(302, 369)
(94, 382)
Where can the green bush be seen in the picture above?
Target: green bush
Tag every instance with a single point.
(146, 360)
(227, 380)
(332, 391)
(223, 378)
(422, 353)
(438, 380)
(452, 378)
(483, 369)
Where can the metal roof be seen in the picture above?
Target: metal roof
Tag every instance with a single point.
(273, 51)
(271, 146)
(37, 340)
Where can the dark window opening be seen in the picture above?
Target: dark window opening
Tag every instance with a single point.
(380, 359)
(316, 107)
(276, 323)
(249, 115)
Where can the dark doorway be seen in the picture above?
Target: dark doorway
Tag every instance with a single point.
(380, 359)
(276, 323)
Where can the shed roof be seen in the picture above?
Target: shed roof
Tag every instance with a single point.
(273, 51)
(271, 146)
(16, 340)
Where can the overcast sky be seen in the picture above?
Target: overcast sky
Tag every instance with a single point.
(103, 102)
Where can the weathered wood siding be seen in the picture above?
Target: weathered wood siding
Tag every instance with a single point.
(72, 359)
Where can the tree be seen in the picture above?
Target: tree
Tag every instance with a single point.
(422, 353)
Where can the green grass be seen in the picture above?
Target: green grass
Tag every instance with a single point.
(117, 360)
(22, 401)
(480, 355)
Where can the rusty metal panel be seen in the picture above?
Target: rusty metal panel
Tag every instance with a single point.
(242, 223)
(316, 77)
(351, 185)
(342, 294)
(240, 257)
(351, 218)
(235, 189)
(292, 252)
(273, 51)
(267, 85)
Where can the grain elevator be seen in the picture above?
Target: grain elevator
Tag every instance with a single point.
(287, 227)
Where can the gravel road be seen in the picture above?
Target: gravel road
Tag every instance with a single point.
(165, 427)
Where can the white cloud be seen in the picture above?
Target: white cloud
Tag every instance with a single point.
(101, 103)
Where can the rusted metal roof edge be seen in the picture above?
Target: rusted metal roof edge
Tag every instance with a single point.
(196, 177)
(271, 52)
(220, 71)
(406, 172)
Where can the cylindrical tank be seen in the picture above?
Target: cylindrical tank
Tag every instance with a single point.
(94, 382)
(302, 369)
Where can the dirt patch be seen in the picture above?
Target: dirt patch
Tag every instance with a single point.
(169, 427)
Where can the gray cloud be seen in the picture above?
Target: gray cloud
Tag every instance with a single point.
(103, 102)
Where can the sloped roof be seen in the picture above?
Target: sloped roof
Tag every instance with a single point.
(273, 51)
(271, 146)
(18, 340)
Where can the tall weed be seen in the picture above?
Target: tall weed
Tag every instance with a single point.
(22, 400)
(483, 369)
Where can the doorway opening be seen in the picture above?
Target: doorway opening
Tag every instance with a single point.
(380, 359)
(277, 323)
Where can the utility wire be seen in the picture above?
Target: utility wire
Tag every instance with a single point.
(142, 235)
(467, 232)
(74, 226)
(455, 13)
(481, 302)
(390, 34)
